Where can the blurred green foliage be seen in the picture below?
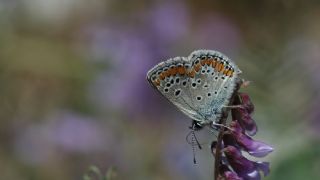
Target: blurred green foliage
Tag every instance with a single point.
(95, 173)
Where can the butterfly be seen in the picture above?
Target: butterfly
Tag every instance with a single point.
(199, 85)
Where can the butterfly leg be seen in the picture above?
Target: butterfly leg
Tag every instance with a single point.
(196, 126)
(214, 125)
(233, 106)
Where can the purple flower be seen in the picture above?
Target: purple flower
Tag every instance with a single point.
(254, 148)
(246, 102)
(243, 167)
(231, 164)
(243, 114)
(227, 174)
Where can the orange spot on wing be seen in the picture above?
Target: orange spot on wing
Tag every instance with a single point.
(214, 63)
(225, 72)
(162, 76)
(166, 73)
(156, 82)
(221, 68)
(172, 71)
(209, 62)
(192, 73)
(181, 70)
(218, 66)
(197, 67)
(203, 62)
(229, 73)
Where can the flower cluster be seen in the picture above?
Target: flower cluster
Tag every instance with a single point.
(235, 139)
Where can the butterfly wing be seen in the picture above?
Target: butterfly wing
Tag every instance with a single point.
(213, 83)
(199, 85)
(171, 79)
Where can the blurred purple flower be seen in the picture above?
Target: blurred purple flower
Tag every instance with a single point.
(169, 21)
(66, 131)
(216, 30)
(76, 133)
(128, 56)
(129, 52)
(243, 167)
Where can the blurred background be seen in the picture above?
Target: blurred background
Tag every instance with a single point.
(73, 91)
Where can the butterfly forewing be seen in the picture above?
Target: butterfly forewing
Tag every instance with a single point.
(171, 79)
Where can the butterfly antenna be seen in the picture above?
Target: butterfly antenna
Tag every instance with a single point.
(193, 142)
(193, 139)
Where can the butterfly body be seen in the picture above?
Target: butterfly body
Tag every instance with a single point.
(199, 85)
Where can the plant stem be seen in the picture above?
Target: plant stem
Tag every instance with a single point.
(217, 158)
(223, 121)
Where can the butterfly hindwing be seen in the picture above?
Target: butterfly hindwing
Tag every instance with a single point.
(199, 85)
